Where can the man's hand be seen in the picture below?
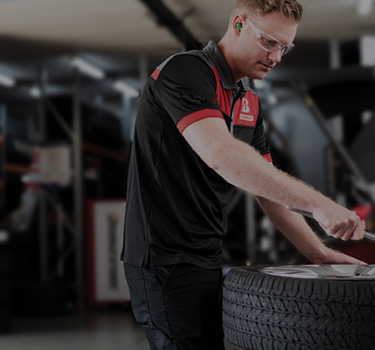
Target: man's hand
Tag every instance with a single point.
(339, 222)
(295, 228)
(334, 257)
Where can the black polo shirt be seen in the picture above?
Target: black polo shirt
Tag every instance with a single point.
(175, 204)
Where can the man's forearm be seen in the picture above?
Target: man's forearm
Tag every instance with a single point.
(245, 168)
(295, 229)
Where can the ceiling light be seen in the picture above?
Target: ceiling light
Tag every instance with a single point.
(35, 92)
(364, 7)
(126, 89)
(6, 81)
(87, 68)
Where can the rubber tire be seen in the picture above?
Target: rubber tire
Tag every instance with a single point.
(267, 312)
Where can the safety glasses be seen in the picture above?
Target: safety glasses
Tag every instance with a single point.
(267, 42)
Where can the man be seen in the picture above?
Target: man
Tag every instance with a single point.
(198, 134)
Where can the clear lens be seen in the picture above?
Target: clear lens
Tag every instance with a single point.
(271, 48)
(267, 42)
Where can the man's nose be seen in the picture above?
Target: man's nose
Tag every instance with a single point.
(276, 56)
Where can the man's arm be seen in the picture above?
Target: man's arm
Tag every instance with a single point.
(242, 166)
(294, 227)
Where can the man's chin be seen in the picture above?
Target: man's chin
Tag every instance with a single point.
(258, 74)
(261, 75)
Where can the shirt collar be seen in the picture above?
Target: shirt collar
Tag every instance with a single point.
(221, 65)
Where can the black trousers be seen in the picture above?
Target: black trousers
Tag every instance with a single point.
(179, 306)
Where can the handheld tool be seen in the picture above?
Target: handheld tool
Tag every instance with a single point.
(368, 235)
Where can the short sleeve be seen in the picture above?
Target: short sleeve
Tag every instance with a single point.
(186, 88)
(259, 140)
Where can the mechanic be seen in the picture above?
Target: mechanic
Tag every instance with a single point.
(198, 134)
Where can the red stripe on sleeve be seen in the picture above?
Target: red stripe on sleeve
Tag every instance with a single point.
(194, 117)
(267, 157)
(155, 74)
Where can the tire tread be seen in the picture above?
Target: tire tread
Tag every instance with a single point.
(272, 312)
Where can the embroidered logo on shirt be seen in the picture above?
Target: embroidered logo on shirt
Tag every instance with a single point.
(248, 118)
(245, 105)
(246, 109)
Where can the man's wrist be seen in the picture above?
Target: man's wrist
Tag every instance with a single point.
(320, 255)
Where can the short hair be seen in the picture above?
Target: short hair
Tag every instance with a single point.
(291, 9)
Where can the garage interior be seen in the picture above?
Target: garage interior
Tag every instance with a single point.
(71, 74)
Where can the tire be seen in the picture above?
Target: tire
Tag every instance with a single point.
(263, 311)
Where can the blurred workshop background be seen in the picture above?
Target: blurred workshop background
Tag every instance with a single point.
(71, 73)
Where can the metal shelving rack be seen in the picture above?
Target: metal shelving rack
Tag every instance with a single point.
(45, 199)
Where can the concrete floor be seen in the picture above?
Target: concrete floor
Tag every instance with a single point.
(100, 330)
(94, 331)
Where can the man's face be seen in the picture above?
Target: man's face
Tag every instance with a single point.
(251, 59)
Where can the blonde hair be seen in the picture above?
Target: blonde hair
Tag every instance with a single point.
(291, 9)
